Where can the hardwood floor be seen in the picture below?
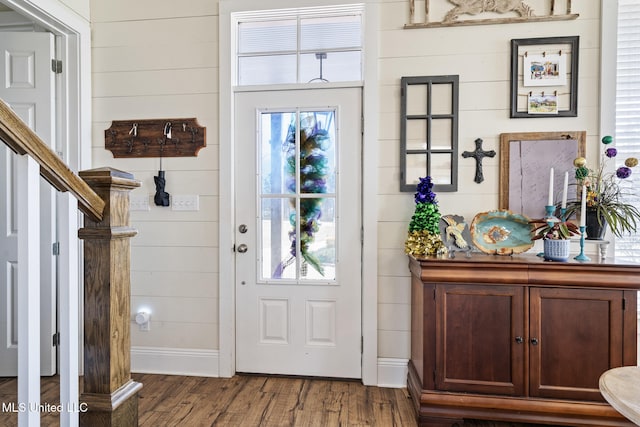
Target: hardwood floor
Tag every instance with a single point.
(246, 400)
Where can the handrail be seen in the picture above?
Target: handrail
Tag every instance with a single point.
(21, 139)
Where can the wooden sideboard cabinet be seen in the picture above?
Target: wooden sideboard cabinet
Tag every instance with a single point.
(519, 339)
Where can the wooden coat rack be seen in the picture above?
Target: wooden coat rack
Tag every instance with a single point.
(155, 138)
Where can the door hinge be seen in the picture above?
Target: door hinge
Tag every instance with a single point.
(56, 249)
(624, 303)
(56, 339)
(56, 66)
(361, 345)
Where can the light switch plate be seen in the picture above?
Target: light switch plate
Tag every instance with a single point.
(139, 203)
(185, 202)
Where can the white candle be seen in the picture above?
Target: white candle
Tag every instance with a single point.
(583, 207)
(550, 202)
(564, 190)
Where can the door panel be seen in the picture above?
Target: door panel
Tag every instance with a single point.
(298, 278)
(568, 329)
(480, 339)
(27, 85)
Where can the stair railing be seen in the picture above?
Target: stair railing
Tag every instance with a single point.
(109, 396)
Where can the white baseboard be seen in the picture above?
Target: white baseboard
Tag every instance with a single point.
(392, 373)
(174, 361)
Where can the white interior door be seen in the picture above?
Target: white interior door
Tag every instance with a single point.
(27, 85)
(297, 179)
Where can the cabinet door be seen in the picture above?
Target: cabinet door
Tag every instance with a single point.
(479, 334)
(576, 335)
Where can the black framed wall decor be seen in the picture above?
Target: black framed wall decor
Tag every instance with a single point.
(544, 77)
(429, 132)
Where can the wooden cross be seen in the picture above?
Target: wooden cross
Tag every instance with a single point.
(478, 154)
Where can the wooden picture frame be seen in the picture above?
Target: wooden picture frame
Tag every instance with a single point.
(554, 74)
(529, 156)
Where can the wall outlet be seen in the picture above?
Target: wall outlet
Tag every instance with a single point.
(185, 202)
(143, 320)
(139, 203)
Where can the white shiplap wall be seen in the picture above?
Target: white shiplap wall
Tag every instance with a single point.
(480, 55)
(159, 59)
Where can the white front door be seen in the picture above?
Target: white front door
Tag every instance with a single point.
(27, 85)
(297, 179)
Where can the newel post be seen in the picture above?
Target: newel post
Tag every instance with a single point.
(110, 396)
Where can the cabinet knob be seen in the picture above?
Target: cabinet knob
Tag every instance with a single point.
(534, 341)
(519, 340)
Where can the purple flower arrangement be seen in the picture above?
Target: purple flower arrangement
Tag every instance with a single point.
(607, 194)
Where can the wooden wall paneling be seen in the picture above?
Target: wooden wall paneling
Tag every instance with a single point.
(132, 58)
(168, 32)
(164, 82)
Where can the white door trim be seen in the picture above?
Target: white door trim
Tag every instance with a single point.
(74, 141)
(74, 49)
(369, 188)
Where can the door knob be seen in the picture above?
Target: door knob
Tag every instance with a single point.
(242, 248)
(519, 340)
(534, 341)
(242, 228)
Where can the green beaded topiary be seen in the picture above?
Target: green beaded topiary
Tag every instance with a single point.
(424, 233)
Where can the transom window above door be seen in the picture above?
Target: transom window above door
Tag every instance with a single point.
(299, 46)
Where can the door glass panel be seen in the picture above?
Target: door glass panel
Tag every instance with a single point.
(317, 152)
(274, 69)
(330, 32)
(298, 46)
(331, 66)
(276, 223)
(274, 131)
(294, 167)
(267, 36)
(318, 237)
